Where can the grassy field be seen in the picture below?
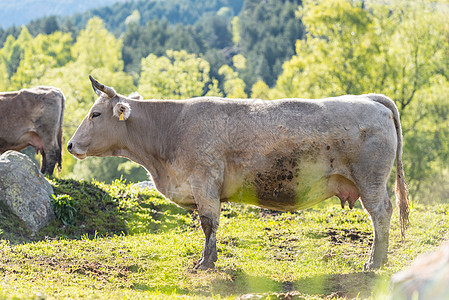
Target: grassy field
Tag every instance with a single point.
(125, 243)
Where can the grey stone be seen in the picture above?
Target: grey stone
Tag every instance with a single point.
(25, 190)
(426, 278)
(145, 184)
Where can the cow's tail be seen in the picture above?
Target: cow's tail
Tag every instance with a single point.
(60, 133)
(401, 190)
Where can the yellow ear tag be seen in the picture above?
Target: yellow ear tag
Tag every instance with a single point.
(122, 116)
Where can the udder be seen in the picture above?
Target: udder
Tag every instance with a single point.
(344, 189)
(36, 141)
(18, 144)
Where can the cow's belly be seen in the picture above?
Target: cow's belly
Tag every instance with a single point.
(180, 193)
(285, 186)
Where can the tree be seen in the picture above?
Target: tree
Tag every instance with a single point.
(97, 48)
(13, 52)
(268, 31)
(43, 53)
(235, 23)
(339, 46)
(177, 75)
(234, 87)
(4, 80)
(260, 90)
(215, 30)
(157, 37)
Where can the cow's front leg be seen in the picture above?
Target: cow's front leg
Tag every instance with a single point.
(209, 254)
(208, 203)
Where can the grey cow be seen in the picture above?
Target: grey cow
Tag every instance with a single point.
(286, 154)
(33, 117)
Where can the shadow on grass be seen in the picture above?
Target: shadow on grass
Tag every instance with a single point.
(237, 283)
(166, 290)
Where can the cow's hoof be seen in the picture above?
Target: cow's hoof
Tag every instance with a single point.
(368, 266)
(205, 266)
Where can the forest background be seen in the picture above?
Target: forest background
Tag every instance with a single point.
(175, 49)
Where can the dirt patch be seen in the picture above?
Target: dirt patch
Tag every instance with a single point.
(101, 271)
(269, 213)
(94, 269)
(342, 236)
(294, 295)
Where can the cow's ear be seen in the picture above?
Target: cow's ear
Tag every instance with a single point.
(122, 110)
(135, 96)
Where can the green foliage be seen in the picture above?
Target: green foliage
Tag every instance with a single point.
(338, 49)
(175, 11)
(260, 90)
(90, 210)
(234, 87)
(177, 75)
(64, 208)
(268, 32)
(97, 209)
(12, 53)
(215, 31)
(235, 23)
(42, 54)
(157, 37)
(97, 48)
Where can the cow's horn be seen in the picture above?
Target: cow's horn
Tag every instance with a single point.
(105, 89)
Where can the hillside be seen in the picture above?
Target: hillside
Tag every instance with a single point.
(186, 12)
(130, 243)
(21, 12)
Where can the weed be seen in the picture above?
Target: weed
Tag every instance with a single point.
(64, 208)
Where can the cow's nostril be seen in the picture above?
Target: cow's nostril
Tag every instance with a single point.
(69, 147)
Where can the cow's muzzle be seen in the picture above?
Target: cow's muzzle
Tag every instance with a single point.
(75, 151)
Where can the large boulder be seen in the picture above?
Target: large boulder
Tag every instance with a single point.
(25, 190)
(426, 278)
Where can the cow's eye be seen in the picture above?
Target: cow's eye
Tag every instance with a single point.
(95, 114)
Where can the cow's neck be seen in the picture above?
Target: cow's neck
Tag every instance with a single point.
(152, 134)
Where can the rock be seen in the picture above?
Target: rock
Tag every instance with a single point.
(25, 190)
(426, 278)
(145, 184)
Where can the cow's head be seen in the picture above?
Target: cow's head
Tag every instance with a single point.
(103, 131)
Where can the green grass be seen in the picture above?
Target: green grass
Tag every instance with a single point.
(128, 244)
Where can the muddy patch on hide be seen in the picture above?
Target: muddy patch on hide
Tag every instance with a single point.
(288, 178)
(275, 187)
(292, 180)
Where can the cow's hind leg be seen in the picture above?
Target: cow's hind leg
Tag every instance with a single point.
(44, 163)
(377, 203)
(50, 159)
